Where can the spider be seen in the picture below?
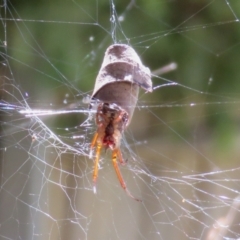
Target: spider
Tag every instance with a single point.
(111, 121)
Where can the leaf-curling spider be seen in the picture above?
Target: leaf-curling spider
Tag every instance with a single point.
(116, 88)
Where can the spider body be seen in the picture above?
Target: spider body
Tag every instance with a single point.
(111, 121)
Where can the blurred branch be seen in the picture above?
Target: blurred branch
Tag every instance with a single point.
(165, 69)
(220, 228)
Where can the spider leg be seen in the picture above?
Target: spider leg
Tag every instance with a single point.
(95, 170)
(115, 153)
(120, 158)
(94, 140)
(93, 143)
(117, 170)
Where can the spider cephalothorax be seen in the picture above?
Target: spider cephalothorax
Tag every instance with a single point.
(111, 121)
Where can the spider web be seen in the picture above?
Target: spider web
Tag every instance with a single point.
(181, 146)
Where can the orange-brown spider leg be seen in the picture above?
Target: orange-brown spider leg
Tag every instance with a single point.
(95, 170)
(93, 143)
(94, 140)
(120, 158)
(119, 175)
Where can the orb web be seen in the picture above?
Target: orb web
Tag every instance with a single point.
(181, 146)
